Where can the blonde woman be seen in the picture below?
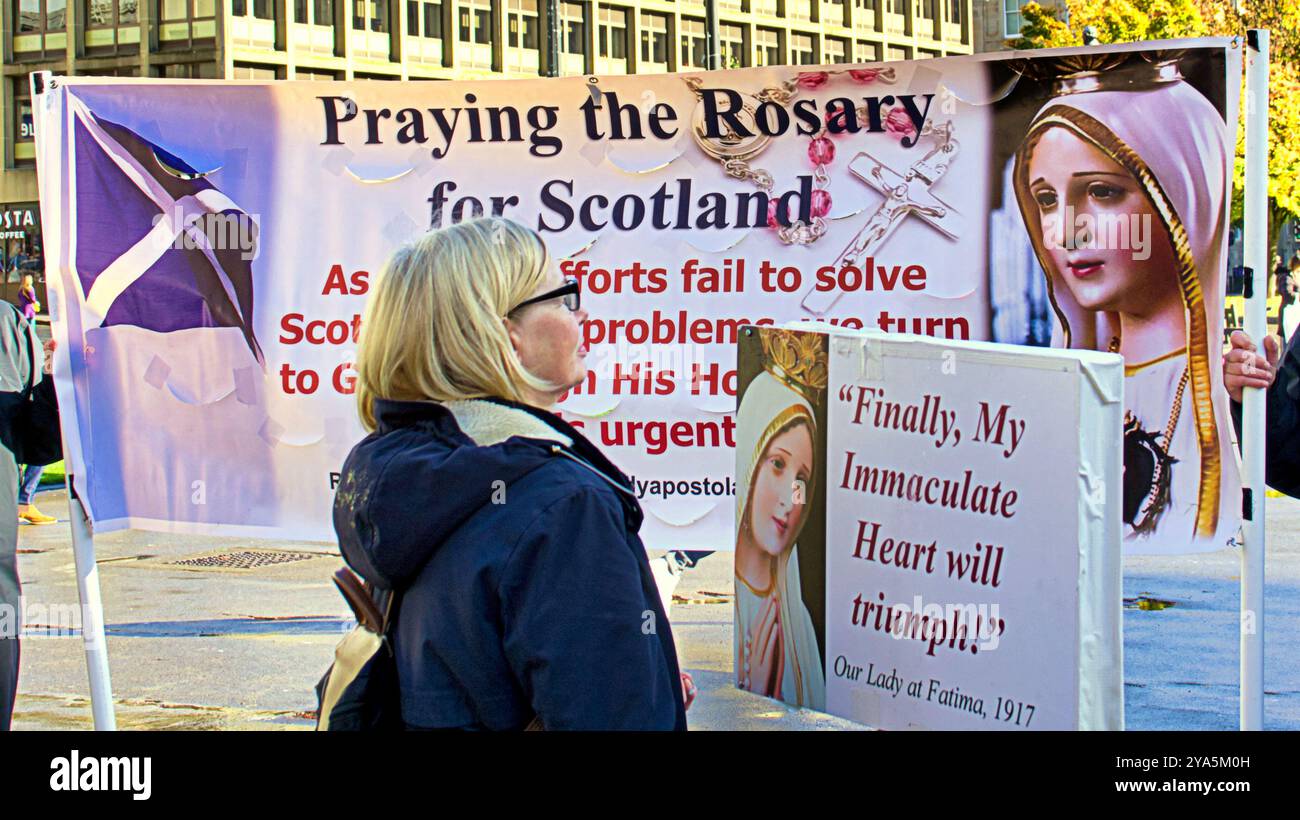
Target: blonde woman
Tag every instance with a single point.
(525, 591)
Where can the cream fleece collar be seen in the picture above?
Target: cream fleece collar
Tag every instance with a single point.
(489, 423)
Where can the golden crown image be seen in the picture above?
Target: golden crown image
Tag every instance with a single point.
(796, 358)
(1107, 71)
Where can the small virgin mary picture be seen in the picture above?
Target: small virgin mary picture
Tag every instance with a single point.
(1122, 181)
(776, 646)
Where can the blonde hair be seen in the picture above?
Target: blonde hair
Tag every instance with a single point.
(433, 329)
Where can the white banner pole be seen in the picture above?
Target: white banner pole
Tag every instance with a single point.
(1253, 417)
(53, 178)
(92, 615)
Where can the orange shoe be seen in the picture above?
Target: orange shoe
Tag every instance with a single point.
(29, 513)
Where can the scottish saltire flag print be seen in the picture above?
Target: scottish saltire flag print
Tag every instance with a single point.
(145, 249)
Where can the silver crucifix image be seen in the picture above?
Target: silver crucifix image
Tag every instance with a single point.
(905, 194)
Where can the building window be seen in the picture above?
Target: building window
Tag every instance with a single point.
(899, 53)
(654, 39)
(99, 13)
(864, 13)
(244, 71)
(694, 49)
(182, 21)
(733, 46)
(802, 51)
(369, 15)
(798, 9)
(1011, 18)
(30, 16)
(767, 47)
(833, 12)
(128, 71)
(314, 12)
(24, 136)
(433, 20)
(314, 75)
(183, 11)
(41, 15)
(866, 52)
(476, 22)
(612, 34)
(927, 8)
(523, 24)
(110, 13)
(835, 51)
(426, 13)
(111, 23)
(572, 19)
(104, 13)
(954, 11)
(763, 7)
(185, 71)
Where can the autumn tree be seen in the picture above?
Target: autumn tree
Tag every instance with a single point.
(1116, 21)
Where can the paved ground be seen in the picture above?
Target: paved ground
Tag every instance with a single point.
(202, 648)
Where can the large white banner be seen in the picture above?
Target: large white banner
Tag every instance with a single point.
(210, 246)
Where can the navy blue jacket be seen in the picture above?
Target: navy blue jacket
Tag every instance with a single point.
(1282, 423)
(526, 589)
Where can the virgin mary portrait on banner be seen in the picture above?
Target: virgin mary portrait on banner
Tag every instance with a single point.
(1123, 183)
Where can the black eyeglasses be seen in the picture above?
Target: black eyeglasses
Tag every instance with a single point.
(569, 290)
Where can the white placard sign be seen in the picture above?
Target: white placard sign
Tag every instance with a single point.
(969, 550)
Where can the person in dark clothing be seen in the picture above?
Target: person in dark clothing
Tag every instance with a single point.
(1279, 374)
(1284, 288)
(29, 433)
(525, 590)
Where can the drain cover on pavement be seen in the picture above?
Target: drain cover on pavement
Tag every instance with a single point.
(244, 559)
